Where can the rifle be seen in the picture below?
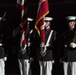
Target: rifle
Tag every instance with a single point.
(19, 28)
(16, 30)
(3, 18)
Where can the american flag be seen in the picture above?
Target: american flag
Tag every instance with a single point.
(22, 5)
(43, 10)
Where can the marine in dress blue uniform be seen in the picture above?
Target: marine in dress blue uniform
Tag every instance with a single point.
(46, 59)
(24, 58)
(2, 52)
(69, 56)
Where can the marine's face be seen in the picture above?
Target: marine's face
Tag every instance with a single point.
(72, 25)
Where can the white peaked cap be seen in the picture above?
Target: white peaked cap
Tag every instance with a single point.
(29, 19)
(48, 18)
(0, 18)
(71, 18)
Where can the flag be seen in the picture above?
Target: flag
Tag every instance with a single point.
(43, 10)
(22, 5)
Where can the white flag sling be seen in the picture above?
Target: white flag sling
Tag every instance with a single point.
(47, 44)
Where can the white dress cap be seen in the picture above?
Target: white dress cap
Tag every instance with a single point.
(29, 19)
(71, 18)
(48, 18)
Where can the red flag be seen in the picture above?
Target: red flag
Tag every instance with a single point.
(41, 13)
(22, 5)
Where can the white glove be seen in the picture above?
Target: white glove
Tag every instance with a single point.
(5, 58)
(73, 45)
(23, 50)
(42, 52)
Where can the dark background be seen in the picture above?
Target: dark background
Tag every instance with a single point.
(59, 9)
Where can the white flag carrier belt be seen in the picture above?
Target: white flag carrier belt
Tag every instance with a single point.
(47, 43)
